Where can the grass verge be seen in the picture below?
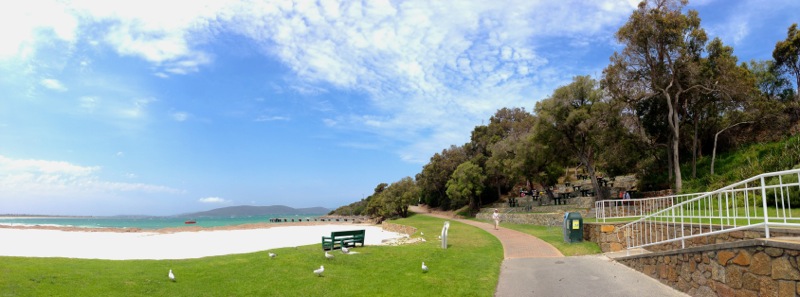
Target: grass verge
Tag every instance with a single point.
(373, 271)
(555, 237)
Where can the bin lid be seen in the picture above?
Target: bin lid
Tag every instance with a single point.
(574, 215)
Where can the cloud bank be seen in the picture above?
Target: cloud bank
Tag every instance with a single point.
(431, 70)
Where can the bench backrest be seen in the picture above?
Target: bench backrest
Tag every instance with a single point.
(347, 233)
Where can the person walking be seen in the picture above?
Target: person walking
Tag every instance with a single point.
(496, 218)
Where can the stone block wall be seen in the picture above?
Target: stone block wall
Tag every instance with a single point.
(605, 235)
(543, 219)
(745, 268)
(398, 228)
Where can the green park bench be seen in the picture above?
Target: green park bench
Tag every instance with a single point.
(338, 239)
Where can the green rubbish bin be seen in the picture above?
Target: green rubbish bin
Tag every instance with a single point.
(573, 227)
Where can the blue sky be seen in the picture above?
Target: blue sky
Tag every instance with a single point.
(166, 107)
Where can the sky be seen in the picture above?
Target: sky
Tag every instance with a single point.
(167, 107)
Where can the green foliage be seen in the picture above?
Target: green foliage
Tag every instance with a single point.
(749, 161)
(393, 201)
(668, 94)
(373, 271)
(787, 53)
(432, 181)
(466, 185)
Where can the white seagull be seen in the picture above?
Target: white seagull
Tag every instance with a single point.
(329, 256)
(272, 255)
(424, 268)
(171, 275)
(319, 271)
(345, 250)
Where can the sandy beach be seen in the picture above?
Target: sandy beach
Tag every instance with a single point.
(174, 243)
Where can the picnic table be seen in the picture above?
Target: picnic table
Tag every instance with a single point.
(561, 198)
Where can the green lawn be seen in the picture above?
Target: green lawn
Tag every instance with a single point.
(469, 267)
(555, 237)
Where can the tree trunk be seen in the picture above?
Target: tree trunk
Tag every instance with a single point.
(589, 165)
(694, 149)
(674, 124)
(669, 161)
(714, 150)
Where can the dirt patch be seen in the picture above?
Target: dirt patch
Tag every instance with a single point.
(435, 211)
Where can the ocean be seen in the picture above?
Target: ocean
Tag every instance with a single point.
(148, 222)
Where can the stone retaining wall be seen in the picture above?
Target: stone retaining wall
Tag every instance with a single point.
(543, 219)
(609, 240)
(605, 235)
(398, 228)
(745, 268)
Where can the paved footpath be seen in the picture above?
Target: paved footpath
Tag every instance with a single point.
(533, 267)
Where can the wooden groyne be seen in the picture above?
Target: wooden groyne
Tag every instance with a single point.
(348, 219)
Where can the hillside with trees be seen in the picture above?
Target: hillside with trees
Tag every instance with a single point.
(669, 103)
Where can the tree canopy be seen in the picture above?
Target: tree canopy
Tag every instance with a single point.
(667, 94)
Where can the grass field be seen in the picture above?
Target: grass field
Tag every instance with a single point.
(469, 267)
(555, 237)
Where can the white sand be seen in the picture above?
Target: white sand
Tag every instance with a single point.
(180, 245)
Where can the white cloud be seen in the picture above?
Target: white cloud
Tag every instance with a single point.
(53, 84)
(43, 178)
(215, 200)
(425, 62)
(421, 63)
(265, 118)
(137, 108)
(180, 116)
(26, 24)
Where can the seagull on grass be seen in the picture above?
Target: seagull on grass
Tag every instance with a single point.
(329, 256)
(424, 267)
(345, 250)
(171, 275)
(272, 255)
(319, 271)
(421, 233)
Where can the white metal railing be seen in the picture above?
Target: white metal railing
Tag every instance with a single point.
(634, 208)
(761, 201)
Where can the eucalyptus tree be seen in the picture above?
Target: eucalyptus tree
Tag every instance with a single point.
(660, 59)
(730, 93)
(375, 201)
(538, 161)
(466, 186)
(578, 120)
(432, 180)
(787, 55)
(770, 81)
(398, 196)
(506, 128)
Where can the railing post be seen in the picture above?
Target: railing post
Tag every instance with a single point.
(764, 205)
(683, 233)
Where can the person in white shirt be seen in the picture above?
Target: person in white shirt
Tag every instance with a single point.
(496, 218)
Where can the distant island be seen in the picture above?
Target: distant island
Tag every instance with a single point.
(250, 210)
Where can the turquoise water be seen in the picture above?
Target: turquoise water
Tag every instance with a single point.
(148, 222)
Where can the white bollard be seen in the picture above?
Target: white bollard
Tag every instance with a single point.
(444, 234)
